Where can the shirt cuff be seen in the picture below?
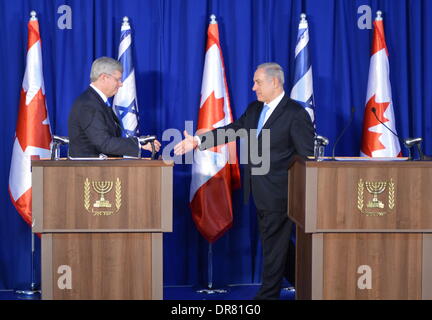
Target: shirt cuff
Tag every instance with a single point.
(198, 140)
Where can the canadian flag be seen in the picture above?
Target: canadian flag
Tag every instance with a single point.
(379, 141)
(215, 172)
(33, 133)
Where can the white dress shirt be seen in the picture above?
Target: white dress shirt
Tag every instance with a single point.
(104, 97)
(272, 105)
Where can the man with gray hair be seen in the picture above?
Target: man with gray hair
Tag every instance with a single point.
(291, 132)
(93, 127)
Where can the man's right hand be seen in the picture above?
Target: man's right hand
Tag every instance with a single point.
(187, 144)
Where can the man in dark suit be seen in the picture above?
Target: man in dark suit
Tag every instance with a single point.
(283, 129)
(93, 127)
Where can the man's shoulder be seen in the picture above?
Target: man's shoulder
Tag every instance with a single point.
(87, 98)
(286, 101)
(254, 105)
(293, 105)
(87, 94)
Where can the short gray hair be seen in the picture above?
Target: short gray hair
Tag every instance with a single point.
(105, 65)
(273, 70)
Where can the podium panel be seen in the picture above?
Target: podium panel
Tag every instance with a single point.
(102, 266)
(364, 230)
(101, 225)
(110, 195)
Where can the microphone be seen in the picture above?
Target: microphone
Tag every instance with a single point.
(319, 144)
(408, 142)
(60, 139)
(343, 132)
(146, 139)
(322, 140)
(57, 141)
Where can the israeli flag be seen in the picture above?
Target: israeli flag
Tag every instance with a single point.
(125, 104)
(302, 90)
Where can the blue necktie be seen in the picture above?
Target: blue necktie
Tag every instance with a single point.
(261, 118)
(108, 103)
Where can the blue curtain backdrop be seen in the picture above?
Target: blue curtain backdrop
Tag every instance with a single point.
(169, 39)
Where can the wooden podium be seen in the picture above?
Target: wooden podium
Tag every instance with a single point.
(101, 225)
(364, 229)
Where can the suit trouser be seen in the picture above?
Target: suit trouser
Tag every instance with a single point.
(275, 231)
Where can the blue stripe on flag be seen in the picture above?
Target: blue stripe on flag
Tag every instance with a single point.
(305, 104)
(124, 34)
(302, 64)
(122, 111)
(300, 34)
(125, 103)
(303, 88)
(126, 61)
(121, 122)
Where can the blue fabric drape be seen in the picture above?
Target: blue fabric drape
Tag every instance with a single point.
(169, 39)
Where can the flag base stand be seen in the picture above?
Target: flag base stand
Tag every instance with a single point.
(32, 294)
(212, 291)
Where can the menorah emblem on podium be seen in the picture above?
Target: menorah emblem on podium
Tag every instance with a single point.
(375, 207)
(102, 187)
(376, 188)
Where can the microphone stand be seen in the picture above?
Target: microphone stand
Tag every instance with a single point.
(408, 143)
(153, 150)
(343, 132)
(55, 151)
(417, 142)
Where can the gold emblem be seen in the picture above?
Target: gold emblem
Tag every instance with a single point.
(375, 207)
(102, 206)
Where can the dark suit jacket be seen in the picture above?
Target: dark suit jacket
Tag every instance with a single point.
(94, 129)
(291, 132)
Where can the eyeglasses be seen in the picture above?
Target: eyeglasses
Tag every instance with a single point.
(119, 80)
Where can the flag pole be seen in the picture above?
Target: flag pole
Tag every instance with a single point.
(210, 266)
(213, 80)
(302, 90)
(210, 289)
(33, 292)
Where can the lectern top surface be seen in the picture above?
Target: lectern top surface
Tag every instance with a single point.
(110, 162)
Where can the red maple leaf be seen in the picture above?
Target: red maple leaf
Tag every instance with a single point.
(211, 113)
(30, 129)
(370, 141)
